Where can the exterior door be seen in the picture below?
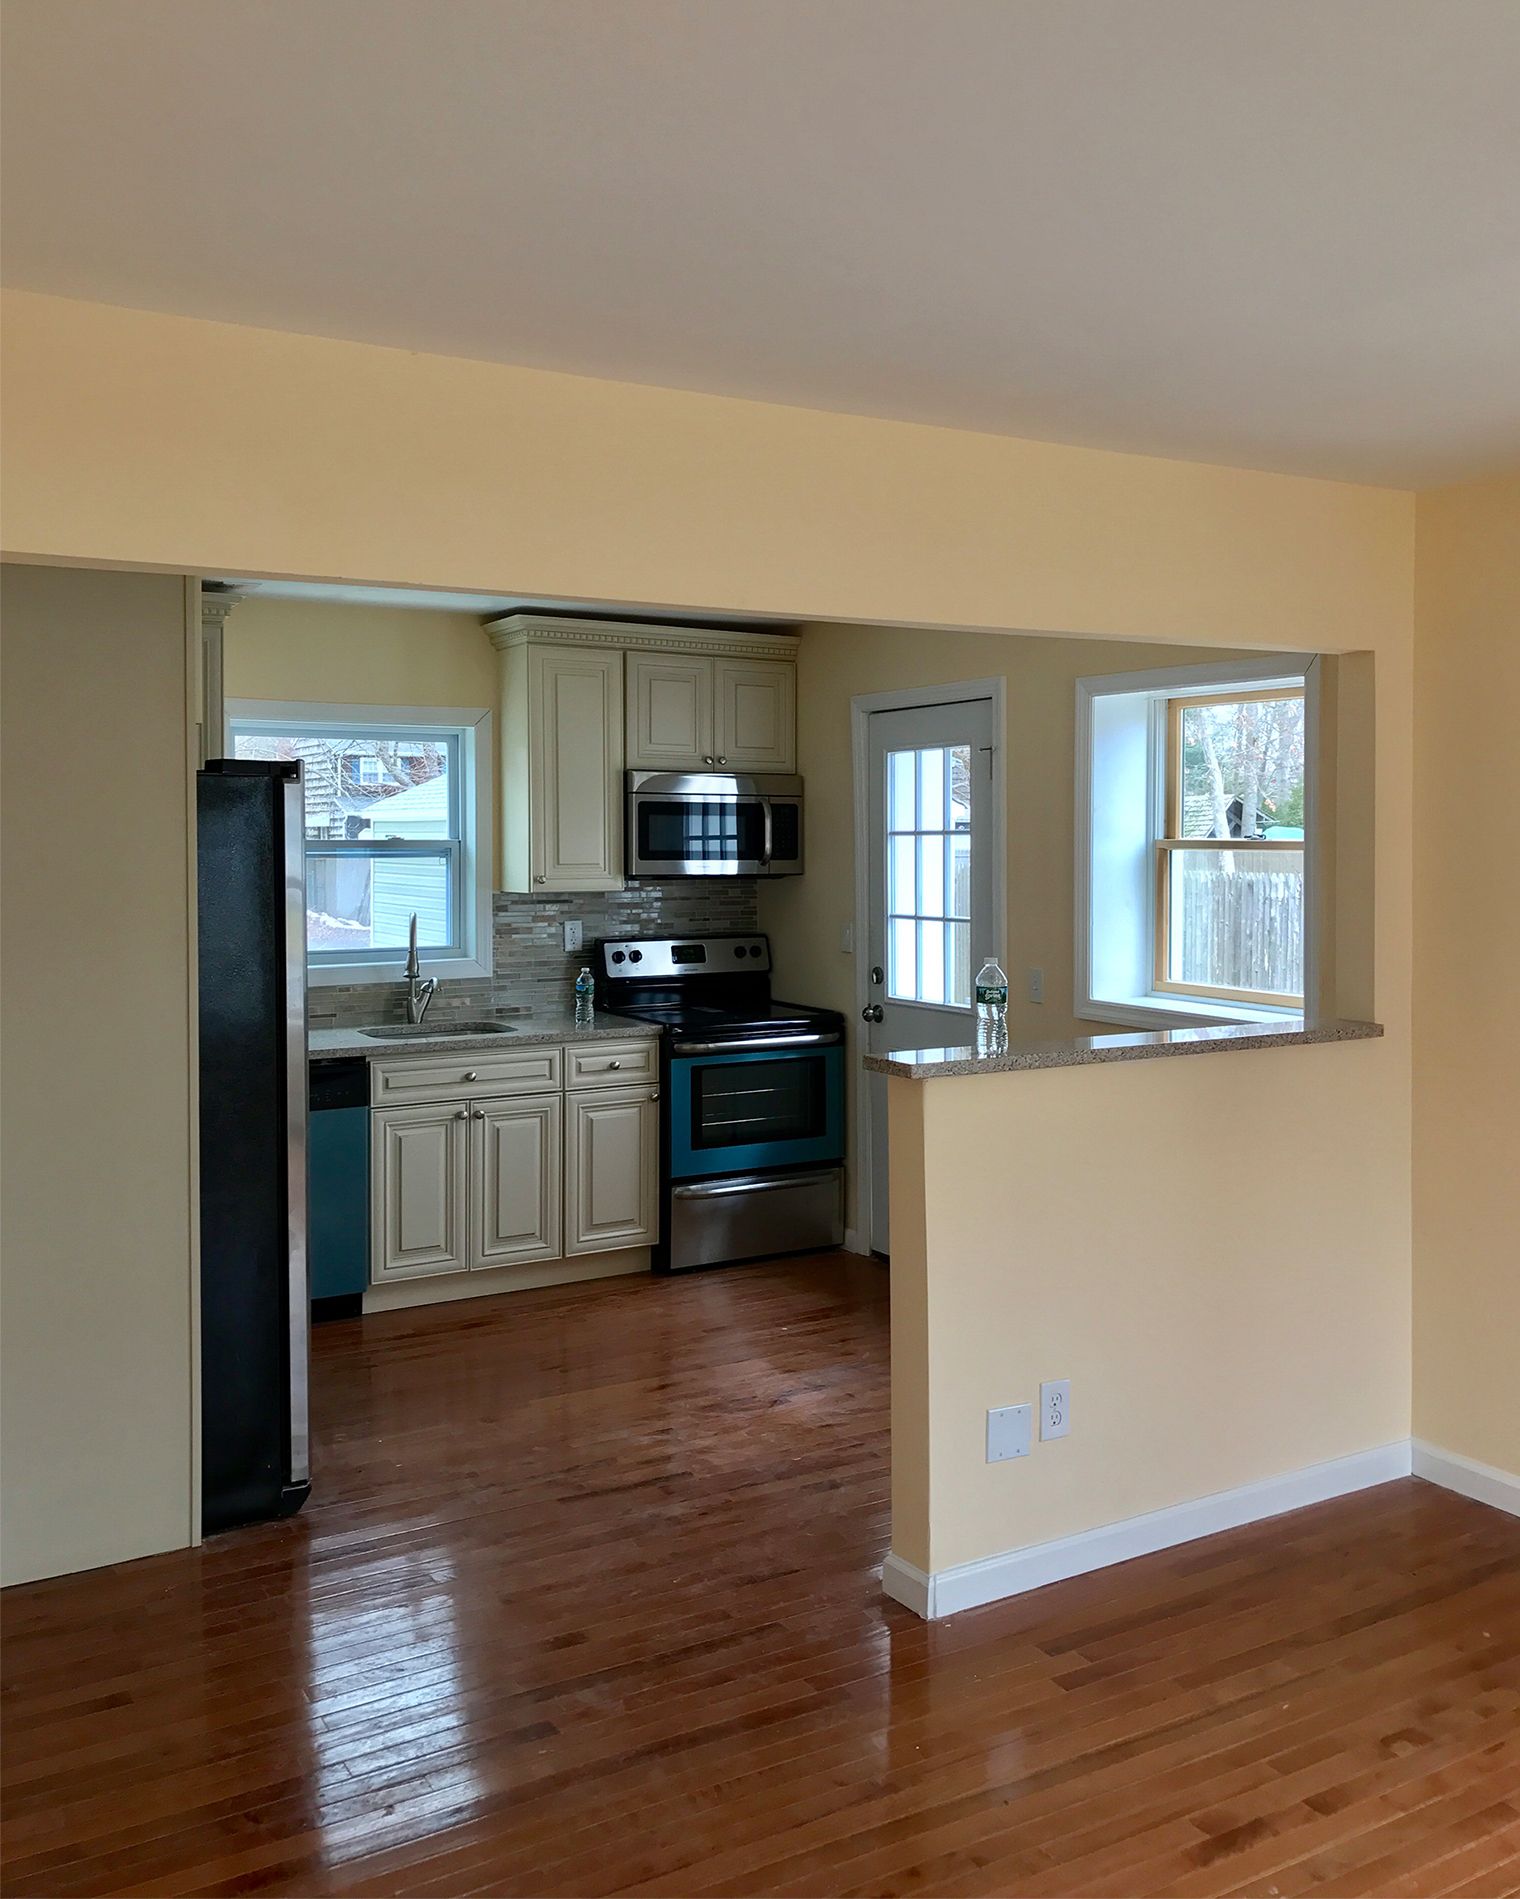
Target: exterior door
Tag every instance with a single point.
(420, 1179)
(515, 1173)
(932, 838)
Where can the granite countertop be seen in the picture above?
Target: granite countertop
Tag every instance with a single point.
(531, 1027)
(928, 1064)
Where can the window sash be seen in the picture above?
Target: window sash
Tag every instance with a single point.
(446, 847)
(1175, 708)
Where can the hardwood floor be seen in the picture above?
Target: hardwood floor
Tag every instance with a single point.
(586, 1602)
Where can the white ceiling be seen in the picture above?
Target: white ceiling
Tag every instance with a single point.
(1284, 233)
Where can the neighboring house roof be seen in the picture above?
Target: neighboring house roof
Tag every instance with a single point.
(419, 811)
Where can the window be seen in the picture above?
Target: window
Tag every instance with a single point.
(1194, 796)
(1230, 857)
(929, 875)
(393, 828)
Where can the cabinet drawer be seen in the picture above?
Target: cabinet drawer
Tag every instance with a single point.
(611, 1064)
(464, 1077)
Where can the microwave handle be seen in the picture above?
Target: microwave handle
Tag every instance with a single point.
(768, 832)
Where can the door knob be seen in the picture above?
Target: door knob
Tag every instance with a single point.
(462, 1114)
(722, 761)
(480, 1114)
(871, 1012)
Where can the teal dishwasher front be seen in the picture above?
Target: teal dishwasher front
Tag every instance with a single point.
(338, 1160)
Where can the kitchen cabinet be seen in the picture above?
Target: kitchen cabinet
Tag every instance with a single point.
(420, 1187)
(612, 1169)
(516, 1171)
(562, 768)
(755, 714)
(533, 1154)
(669, 711)
(583, 700)
(685, 712)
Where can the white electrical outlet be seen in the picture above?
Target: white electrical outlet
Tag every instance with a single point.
(1008, 1430)
(1055, 1407)
(575, 935)
(1036, 985)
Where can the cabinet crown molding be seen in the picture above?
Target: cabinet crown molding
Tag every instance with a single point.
(634, 636)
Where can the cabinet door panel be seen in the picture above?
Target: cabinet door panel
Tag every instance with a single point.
(756, 712)
(670, 711)
(576, 748)
(516, 1171)
(611, 1173)
(419, 1192)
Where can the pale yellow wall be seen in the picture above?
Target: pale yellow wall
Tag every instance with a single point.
(160, 441)
(95, 1279)
(156, 440)
(337, 654)
(1467, 973)
(1215, 1251)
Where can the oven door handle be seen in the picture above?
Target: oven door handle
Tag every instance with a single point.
(825, 1038)
(750, 1183)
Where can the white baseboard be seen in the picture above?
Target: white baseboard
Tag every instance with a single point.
(969, 1585)
(1485, 1483)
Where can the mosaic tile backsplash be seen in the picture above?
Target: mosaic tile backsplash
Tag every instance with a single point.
(532, 968)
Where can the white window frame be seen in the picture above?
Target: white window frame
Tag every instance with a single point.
(471, 730)
(1121, 753)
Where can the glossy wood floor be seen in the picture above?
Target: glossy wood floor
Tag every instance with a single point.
(586, 1602)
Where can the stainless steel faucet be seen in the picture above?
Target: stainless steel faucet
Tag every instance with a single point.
(419, 988)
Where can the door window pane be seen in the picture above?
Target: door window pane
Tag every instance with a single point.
(929, 875)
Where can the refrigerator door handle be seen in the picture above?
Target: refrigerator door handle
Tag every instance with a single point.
(295, 1129)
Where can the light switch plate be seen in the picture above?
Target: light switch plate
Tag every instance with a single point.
(1008, 1432)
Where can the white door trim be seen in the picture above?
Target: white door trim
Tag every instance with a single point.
(907, 699)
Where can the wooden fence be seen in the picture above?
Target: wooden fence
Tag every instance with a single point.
(1241, 928)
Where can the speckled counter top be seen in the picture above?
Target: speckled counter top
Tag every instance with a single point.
(929, 1064)
(535, 1026)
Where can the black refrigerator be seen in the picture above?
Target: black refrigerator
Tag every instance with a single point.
(255, 1447)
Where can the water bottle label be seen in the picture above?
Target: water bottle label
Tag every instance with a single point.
(993, 994)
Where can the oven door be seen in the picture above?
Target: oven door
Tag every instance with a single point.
(737, 1113)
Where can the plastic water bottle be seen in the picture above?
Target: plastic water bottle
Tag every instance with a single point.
(583, 989)
(991, 1008)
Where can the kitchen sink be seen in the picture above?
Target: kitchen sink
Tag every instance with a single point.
(404, 1031)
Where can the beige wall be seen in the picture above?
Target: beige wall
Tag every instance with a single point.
(95, 1365)
(1220, 1322)
(337, 460)
(336, 654)
(1467, 973)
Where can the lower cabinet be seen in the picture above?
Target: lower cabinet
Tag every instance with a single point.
(461, 1186)
(612, 1169)
(516, 1165)
(420, 1184)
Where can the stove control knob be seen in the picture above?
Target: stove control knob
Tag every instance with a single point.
(739, 949)
(755, 950)
(617, 956)
(635, 956)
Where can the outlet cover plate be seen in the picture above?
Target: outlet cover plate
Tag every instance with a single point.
(1055, 1407)
(1008, 1432)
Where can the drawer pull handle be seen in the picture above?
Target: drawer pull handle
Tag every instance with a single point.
(471, 1075)
(614, 1064)
(654, 1094)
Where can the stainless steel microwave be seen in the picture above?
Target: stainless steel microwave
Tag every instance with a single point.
(713, 824)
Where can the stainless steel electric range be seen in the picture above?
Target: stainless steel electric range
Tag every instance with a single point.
(752, 1099)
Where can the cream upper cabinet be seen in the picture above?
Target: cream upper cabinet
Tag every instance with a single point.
(670, 711)
(562, 768)
(755, 714)
(612, 1164)
(582, 700)
(515, 1168)
(419, 1170)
